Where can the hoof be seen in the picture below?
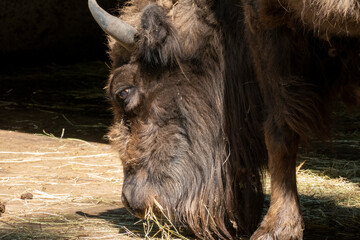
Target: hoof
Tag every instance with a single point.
(280, 230)
(262, 234)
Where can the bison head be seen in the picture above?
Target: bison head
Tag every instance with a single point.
(167, 91)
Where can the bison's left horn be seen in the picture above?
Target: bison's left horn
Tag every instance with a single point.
(115, 27)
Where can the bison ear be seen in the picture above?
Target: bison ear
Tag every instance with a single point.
(158, 44)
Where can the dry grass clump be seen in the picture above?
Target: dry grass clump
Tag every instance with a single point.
(160, 228)
(329, 191)
(331, 206)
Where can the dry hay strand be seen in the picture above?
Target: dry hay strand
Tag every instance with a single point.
(160, 227)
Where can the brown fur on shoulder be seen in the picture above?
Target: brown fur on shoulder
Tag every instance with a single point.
(325, 18)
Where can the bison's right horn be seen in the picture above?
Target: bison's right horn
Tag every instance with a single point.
(115, 27)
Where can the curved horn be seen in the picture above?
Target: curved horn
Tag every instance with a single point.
(115, 27)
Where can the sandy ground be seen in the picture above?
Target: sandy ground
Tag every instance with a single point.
(75, 186)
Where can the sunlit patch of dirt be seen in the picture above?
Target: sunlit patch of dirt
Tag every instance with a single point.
(64, 176)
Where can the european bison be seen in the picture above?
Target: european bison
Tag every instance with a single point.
(206, 94)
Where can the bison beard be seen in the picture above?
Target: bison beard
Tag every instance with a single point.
(213, 91)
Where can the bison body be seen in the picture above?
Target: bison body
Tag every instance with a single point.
(212, 92)
(300, 68)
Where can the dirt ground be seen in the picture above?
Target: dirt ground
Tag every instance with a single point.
(52, 148)
(71, 181)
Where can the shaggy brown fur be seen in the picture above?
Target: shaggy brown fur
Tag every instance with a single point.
(170, 128)
(218, 89)
(325, 18)
(299, 71)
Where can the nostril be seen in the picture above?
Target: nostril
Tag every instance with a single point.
(133, 207)
(126, 204)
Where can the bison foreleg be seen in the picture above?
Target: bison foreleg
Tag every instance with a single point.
(283, 219)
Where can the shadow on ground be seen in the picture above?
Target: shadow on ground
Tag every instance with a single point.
(132, 226)
(339, 156)
(63, 100)
(119, 217)
(321, 224)
(326, 220)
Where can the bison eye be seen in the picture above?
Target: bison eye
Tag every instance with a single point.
(123, 94)
(127, 98)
